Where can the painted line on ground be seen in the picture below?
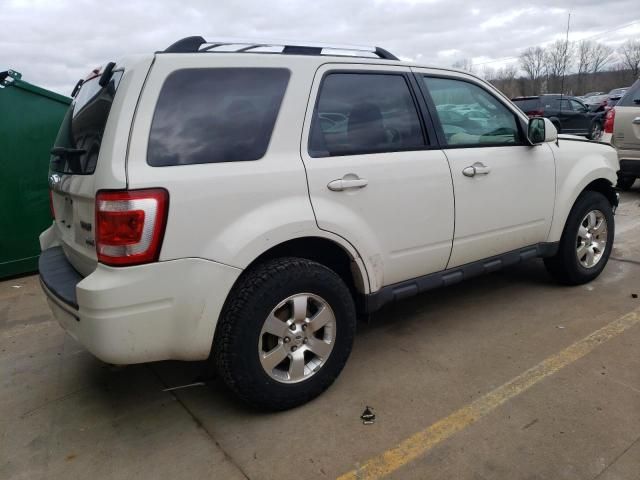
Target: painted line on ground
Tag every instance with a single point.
(422, 442)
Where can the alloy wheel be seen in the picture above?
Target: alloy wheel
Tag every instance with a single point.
(297, 338)
(591, 240)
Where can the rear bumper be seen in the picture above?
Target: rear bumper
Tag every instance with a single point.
(629, 167)
(159, 311)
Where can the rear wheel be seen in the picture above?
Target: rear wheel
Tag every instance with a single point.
(285, 333)
(586, 242)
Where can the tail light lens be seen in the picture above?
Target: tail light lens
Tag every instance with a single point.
(536, 113)
(130, 225)
(609, 118)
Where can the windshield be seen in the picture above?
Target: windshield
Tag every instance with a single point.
(78, 142)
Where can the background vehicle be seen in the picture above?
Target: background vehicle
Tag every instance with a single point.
(597, 103)
(614, 96)
(589, 95)
(568, 114)
(244, 206)
(622, 127)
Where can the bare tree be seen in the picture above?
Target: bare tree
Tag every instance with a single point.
(585, 56)
(463, 64)
(601, 55)
(532, 62)
(507, 78)
(630, 51)
(558, 59)
(489, 73)
(592, 57)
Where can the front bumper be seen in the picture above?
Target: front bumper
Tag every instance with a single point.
(123, 315)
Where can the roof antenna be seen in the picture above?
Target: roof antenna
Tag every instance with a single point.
(564, 60)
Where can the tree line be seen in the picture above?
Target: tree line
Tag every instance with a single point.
(573, 68)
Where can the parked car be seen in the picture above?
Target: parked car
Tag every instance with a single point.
(218, 205)
(568, 114)
(614, 97)
(589, 95)
(622, 128)
(597, 103)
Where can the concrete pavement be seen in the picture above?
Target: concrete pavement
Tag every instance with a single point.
(66, 415)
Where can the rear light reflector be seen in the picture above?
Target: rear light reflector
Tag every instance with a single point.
(53, 212)
(130, 225)
(536, 113)
(609, 119)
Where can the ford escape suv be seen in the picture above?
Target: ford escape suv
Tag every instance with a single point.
(245, 202)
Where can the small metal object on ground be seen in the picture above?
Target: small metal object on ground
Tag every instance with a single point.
(368, 417)
(195, 384)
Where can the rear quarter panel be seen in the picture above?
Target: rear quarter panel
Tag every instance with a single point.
(232, 212)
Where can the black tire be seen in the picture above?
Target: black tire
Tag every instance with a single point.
(556, 124)
(256, 294)
(625, 183)
(595, 132)
(564, 266)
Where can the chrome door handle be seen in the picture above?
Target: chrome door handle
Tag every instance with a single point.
(345, 183)
(477, 168)
(636, 121)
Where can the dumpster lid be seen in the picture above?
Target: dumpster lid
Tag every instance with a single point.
(11, 78)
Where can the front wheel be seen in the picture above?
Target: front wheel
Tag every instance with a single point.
(285, 333)
(586, 242)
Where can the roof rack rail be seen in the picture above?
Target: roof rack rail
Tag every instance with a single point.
(199, 44)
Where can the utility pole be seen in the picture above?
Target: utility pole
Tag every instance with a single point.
(564, 60)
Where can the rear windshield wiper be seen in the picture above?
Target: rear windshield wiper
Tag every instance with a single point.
(64, 151)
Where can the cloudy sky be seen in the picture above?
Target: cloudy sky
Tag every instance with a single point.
(55, 42)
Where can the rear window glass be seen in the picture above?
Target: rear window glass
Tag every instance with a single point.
(528, 104)
(77, 145)
(632, 94)
(359, 113)
(215, 115)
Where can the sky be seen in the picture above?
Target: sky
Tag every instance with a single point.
(53, 43)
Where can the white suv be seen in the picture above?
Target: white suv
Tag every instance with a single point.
(244, 202)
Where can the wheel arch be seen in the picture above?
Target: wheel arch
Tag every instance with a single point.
(326, 252)
(600, 184)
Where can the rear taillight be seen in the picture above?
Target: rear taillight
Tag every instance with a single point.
(53, 212)
(609, 118)
(536, 113)
(130, 225)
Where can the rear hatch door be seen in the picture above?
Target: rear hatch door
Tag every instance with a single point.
(72, 170)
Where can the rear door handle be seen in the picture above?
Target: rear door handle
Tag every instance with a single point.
(477, 168)
(347, 182)
(636, 121)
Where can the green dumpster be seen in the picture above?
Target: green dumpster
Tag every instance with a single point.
(29, 120)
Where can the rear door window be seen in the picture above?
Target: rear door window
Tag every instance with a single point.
(77, 145)
(215, 115)
(359, 113)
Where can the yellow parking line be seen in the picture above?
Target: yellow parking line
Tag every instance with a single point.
(420, 443)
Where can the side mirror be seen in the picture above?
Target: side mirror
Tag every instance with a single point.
(541, 130)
